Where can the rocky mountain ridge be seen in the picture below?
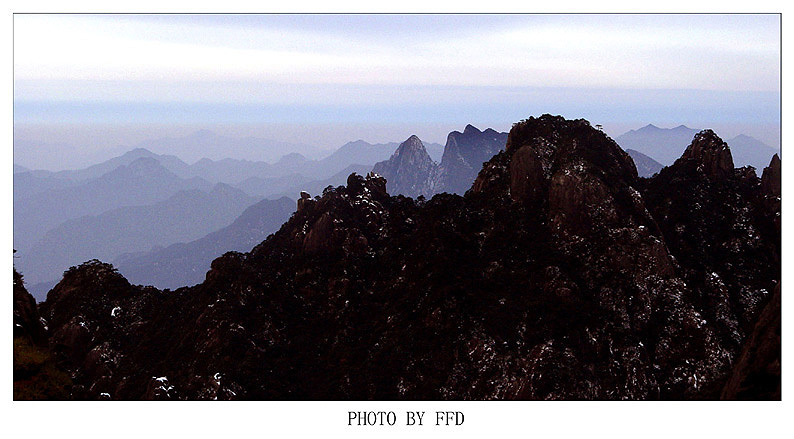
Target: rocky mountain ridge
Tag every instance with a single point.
(411, 172)
(560, 275)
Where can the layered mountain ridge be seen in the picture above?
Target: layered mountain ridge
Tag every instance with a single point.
(560, 275)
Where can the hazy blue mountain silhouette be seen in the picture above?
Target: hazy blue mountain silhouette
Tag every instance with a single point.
(209, 144)
(646, 166)
(144, 181)
(664, 145)
(185, 216)
(269, 186)
(185, 264)
(748, 150)
(29, 183)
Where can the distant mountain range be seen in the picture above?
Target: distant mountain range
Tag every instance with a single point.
(228, 170)
(185, 216)
(185, 264)
(560, 275)
(665, 145)
(209, 144)
(141, 199)
(144, 181)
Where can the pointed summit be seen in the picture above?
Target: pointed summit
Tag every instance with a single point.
(471, 129)
(412, 150)
(412, 143)
(711, 154)
(410, 170)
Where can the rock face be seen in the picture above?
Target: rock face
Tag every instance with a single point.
(756, 374)
(770, 191)
(37, 376)
(410, 170)
(710, 152)
(464, 155)
(27, 322)
(770, 179)
(560, 275)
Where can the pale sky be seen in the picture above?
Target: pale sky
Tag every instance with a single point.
(388, 71)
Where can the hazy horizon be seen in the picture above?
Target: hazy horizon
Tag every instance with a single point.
(110, 82)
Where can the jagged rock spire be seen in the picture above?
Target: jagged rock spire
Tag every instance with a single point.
(770, 180)
(410, 170)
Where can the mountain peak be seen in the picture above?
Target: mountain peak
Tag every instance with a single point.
(223, 189)
(410, 170)
(565, 163)
(414, 139)
(360, 143)
(292, 158)
(621, 274)
(471, 129)
(411, 145)
(711, 153)
(142, 152)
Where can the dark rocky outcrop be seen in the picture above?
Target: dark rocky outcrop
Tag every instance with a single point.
(37, 375)
(560, 275)
(770, 179)
(710, 153)
(770, 193)
(715, 225)
(27, 322)
(756, 373)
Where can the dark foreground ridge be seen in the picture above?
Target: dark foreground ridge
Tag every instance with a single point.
(560, 275)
